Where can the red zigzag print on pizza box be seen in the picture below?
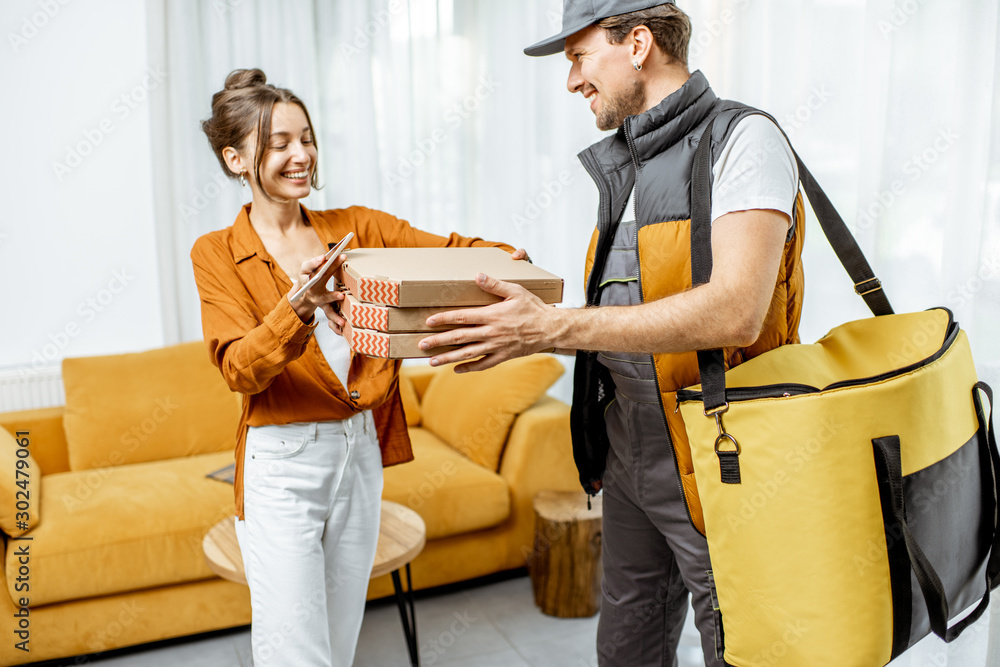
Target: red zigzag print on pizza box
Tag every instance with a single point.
(378, 291)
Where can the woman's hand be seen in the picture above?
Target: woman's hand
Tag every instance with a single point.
(520, 253)
(318, 296)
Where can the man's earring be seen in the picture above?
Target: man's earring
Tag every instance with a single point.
(243, 178)
(636, 65)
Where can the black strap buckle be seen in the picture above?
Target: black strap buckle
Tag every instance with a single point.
(867, 286)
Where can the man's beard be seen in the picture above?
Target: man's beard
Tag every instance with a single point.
(630, 102)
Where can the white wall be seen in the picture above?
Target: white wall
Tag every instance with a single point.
(78, 254)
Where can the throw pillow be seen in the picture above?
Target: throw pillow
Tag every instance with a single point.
(146, 406)
(473, 412)
(411, 404)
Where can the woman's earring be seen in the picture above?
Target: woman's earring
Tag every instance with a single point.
(243, 178)
(636, 65)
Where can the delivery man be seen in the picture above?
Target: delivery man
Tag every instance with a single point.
(637, 338)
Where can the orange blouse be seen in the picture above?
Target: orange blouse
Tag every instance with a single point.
(268, 354)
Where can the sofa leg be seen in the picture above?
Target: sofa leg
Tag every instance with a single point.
(407, 613)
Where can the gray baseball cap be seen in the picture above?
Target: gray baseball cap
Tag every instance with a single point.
(578, 14)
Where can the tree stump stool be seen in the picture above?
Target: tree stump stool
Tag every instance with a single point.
(565, 564)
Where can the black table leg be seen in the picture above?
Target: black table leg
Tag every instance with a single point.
(407, 613)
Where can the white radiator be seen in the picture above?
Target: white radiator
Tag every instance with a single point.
(26, 388)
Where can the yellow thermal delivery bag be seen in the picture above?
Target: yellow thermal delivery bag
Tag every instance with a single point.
(849, 487)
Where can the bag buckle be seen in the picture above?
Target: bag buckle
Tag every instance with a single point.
(723, 435)
(717, 411)
(729, 460)
(871, 281)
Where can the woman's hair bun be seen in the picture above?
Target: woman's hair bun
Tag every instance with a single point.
(245, 78)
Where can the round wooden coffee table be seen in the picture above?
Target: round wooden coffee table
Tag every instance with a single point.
(401, 537)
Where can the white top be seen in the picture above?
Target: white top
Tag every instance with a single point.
(334, 348)
(756, 170)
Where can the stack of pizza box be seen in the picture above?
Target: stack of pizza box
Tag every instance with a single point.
(392, 291)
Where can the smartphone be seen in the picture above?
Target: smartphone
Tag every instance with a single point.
(330, 257)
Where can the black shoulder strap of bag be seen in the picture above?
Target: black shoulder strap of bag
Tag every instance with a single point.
(711, 363)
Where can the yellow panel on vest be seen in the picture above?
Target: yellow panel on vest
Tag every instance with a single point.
(591, 253)
(665, 258)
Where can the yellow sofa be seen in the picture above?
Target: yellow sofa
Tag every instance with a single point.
(105, 546)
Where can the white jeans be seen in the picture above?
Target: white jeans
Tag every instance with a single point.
(311, 502)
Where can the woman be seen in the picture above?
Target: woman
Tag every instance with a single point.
(318, 423)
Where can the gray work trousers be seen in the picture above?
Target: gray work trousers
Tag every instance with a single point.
(653, 557)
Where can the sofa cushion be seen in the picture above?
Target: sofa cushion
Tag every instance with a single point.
(147, 406)
(452, 494)
(411, 404)
(473, 412)
(123, 528)
(21, 475)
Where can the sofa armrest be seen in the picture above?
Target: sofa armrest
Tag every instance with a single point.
(48, 438)
(538, 456)
(539, 450)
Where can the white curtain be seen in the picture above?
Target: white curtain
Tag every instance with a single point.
(429, 110)
(894, 106)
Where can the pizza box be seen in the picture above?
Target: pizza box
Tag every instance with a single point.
(389, 345)
(421, 277)
(390, 319)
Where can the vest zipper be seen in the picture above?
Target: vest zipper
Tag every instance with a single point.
(642, 299)
(604, 226)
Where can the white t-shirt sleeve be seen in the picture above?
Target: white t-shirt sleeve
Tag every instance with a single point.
(756, 170)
